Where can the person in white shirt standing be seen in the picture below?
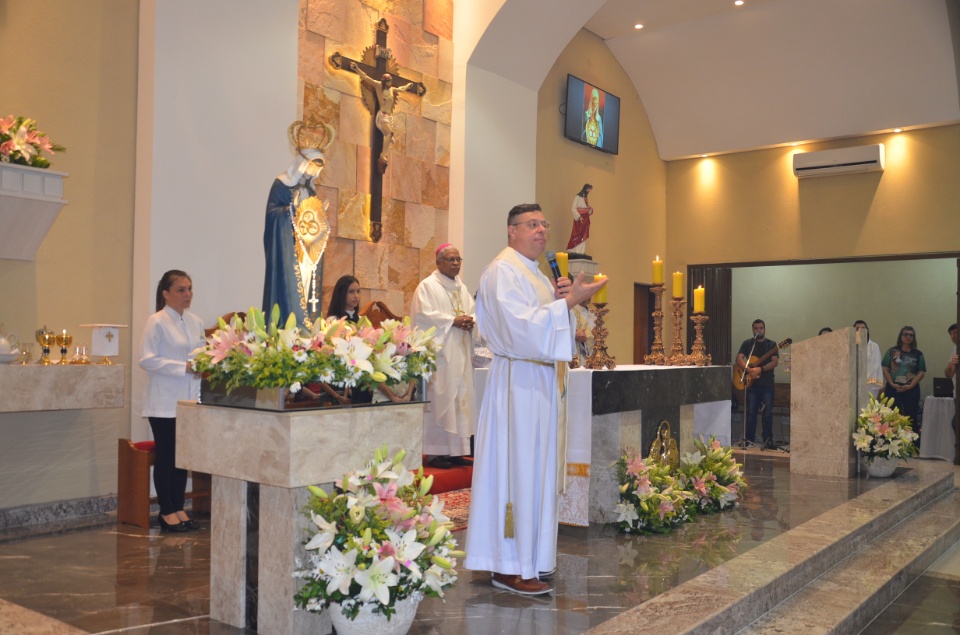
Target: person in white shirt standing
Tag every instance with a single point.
(951, 370)
(442, 301)
(874, 370)
(169, 337)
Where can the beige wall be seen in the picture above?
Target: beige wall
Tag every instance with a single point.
(72, 67)
(629, 196)
(749, 207)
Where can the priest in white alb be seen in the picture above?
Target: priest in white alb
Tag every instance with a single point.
(525, 319)
(443, 302)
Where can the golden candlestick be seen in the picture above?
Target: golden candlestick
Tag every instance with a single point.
(599, 358)
(677, 355)
(656, 355)
(698, 354)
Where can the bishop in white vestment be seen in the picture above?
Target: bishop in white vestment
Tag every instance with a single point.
(527, 324)
(443, 302)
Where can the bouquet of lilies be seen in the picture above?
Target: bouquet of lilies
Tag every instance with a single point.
(653, 500)
(712, 475)
(262, 354)
(378, 538)
(22, 143)
(882, 432)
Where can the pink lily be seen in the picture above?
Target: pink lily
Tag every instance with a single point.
(666, 506)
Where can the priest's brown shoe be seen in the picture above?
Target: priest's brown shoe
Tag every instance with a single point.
(516, 584)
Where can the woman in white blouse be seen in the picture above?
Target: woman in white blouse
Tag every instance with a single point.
(169, 337)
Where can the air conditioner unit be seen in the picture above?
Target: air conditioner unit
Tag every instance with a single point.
(840, 161)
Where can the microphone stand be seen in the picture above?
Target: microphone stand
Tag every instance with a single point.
(744, 444)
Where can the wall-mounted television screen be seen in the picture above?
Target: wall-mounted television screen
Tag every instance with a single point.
(593, 116)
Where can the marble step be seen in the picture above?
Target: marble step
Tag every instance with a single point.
(732, 596)
(850, 595)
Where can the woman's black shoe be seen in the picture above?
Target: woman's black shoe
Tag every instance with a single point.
(176, 528)
(190, 524)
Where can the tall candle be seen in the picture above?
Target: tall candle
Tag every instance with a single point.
(678, 285)
(600, 297)
(658, 271)
(699, 300)
(563, 262)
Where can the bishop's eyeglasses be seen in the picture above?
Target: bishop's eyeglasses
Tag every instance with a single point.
(533, 224)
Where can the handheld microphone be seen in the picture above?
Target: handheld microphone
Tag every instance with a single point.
(554, 267)
(756, 335)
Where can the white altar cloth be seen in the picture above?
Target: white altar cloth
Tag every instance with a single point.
(938, 440)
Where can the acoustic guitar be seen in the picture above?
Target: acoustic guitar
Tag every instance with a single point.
(742, 379)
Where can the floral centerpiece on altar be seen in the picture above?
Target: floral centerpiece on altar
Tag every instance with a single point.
(21, 143)
(655, 500)
(254, 352)
(883, 433)
(378, 541)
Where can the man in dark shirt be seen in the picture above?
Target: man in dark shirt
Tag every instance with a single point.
(761, 388)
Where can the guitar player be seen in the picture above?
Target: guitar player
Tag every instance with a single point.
(761, 388)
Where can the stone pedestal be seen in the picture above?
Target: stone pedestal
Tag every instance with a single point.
(272, 457)
(824, 403)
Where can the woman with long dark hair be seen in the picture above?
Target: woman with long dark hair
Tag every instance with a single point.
(345, 301)
(170, 335)
(903, 368)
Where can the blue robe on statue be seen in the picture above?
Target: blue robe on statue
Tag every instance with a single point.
(282, 270)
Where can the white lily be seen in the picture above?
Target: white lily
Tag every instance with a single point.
(407, 549)
(324, 538)
(385, 361)
(628, 513)
(354, 353)
(340, 568)
(376, 580)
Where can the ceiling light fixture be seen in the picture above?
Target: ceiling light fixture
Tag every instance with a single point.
(795, 144)
(898, 129)
(739, 3)
(703, 156)
(638, 26)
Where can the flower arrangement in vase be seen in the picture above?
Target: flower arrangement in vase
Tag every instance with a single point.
(21, 143)
(884, 436)
(654, 499)
(377, 541)
(261, 354)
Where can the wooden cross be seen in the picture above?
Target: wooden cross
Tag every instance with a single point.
(377, 60)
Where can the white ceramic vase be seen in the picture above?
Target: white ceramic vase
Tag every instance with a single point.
(881, 467)
(369, 623)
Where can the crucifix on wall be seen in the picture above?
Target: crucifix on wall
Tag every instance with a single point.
(380, 98)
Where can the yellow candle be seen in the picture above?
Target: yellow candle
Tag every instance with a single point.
(563, 261)
(678, 285)
(658, 271)
(600, 297)
(699, 300)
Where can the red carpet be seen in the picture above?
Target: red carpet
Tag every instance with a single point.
(448, 480)
(456, 505)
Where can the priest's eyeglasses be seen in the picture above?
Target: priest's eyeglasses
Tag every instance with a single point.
(533, 224)
(452, 260)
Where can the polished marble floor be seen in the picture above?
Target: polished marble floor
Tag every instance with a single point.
(127, 580)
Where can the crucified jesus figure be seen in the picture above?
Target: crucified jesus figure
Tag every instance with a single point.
(387, 100)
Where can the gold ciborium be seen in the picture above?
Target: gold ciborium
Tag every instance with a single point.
(64, 340)
(45, 339)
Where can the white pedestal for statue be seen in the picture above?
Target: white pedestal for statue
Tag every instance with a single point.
(826, 371)
(283, 452)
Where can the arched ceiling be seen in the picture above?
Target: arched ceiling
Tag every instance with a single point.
(716, 78)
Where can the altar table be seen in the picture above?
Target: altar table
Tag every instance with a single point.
(938, 440)
(612, 410)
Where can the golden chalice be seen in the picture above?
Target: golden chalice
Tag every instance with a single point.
(46, 339)
(64, 340)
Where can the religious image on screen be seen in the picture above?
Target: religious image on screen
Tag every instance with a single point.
(592, 133)
(592, 117)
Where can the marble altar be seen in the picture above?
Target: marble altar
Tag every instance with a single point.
(612, 410)
(262, 461)
(67, 387)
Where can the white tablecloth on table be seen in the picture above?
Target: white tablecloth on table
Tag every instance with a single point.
(938, 440)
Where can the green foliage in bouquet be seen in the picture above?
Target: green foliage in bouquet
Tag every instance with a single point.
(378, 538)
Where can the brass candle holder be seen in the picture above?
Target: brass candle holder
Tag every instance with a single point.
(657, 356)
(698, 354)
(599, 358)
(677, 355)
